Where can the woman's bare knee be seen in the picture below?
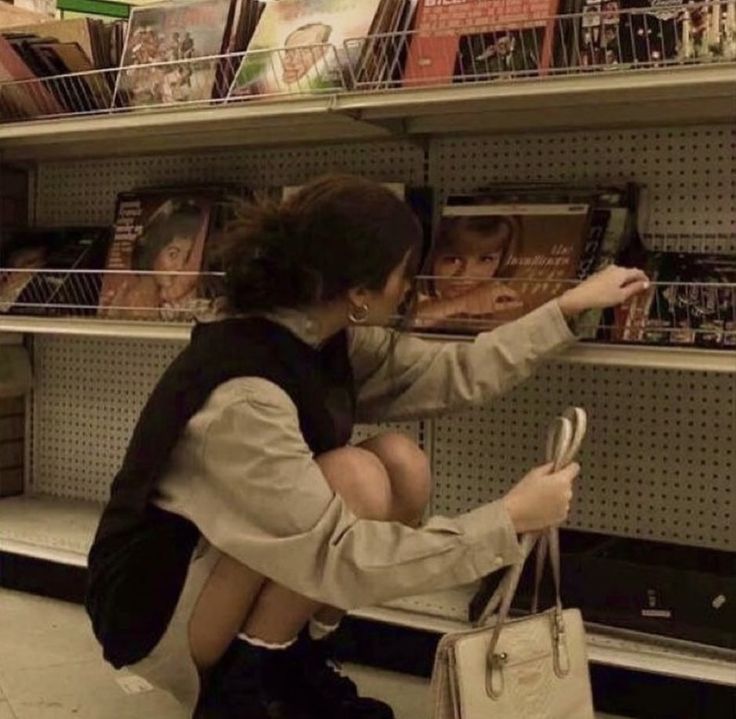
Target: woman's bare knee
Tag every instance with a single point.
(360, 478)
(409, 472)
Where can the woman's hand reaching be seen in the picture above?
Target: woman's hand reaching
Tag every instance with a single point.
(608, 288)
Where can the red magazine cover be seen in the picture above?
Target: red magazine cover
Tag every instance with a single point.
(161, 237)
(480, 39)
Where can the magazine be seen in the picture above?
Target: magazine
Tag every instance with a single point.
(473, 40)
(298, 46)
(26, 289)
(691, 302)
(160, 235)
(157, 37)
(494, 263)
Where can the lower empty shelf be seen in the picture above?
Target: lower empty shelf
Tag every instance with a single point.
(61, 530)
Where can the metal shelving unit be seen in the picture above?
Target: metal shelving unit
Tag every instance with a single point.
(626, 650)
(682, 95)
(670, 128)
(584, 353)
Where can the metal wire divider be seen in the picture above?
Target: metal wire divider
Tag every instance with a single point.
(669, 313)
(197, 82)
(603, 38)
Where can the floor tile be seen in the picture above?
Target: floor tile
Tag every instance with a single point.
(39, 632)
(407, 695)
(84, 690)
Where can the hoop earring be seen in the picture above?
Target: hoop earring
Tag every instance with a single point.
(358, 315)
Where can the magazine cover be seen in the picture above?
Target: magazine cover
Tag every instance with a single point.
(169, 32)
(309, 36)
(600, 38)
(27, 291)
(509, 37)
(157, 232)
(708, 31)
(693, 302)
(483, 254)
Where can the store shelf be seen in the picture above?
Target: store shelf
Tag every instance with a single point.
(297, 119)
(681, 95)
(90, 327)
(642, 97)
(50, 528)
(641, 356)
(444, 612)
(61, 530)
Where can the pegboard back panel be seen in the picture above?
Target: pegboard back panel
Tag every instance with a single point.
(88, 394)
(659, 460)
(84, 192)
(689, 174)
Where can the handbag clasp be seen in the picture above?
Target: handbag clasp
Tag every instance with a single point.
(494, 678)
(561, 653)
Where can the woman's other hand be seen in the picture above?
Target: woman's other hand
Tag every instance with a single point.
(542, 498)
(608, 288)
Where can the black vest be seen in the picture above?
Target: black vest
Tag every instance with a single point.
(140, 556)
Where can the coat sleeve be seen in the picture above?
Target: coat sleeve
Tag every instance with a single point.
(401, 377)
(253, 488)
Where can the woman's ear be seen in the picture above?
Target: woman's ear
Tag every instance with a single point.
(358, 296)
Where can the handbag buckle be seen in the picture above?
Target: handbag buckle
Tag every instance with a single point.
(495, 682)
(561, 653)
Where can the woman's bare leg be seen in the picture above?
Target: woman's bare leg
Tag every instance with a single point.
(410, 480)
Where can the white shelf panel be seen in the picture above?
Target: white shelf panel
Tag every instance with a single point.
(78, 327)
(61, 530)
(641, 356)
(444, 612)
(683, 95)
(50, 528)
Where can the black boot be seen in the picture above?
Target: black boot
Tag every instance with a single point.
(310, 682)
(234, 687)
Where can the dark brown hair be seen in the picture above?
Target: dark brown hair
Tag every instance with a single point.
(336, 233)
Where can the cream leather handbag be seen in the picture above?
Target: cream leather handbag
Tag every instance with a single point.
(535, 667)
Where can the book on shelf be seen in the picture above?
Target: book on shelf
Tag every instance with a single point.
(60, 58)
(492, 263)
(13, 199)
(12, 442)
(25, 98)
(467, 40)
(193, 32)
(36, 277)
(692, 302)
(156, 255)
(299, 45)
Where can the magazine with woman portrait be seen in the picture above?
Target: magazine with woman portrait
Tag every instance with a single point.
(491, 264)
(161, 237)
(298, 46)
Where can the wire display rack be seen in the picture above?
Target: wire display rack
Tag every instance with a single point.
(669, 313)
(601, 39)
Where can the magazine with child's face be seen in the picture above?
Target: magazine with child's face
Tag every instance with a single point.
(298, 45)
(494, 263)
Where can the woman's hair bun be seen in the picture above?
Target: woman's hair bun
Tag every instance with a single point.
(263, 269)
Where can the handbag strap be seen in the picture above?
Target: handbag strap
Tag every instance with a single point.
(564, 439)
(561, 451)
